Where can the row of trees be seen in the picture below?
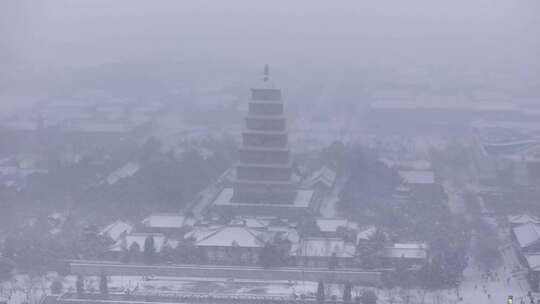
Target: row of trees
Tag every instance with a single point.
(366, 297)
(35, 250)
(164, 182)
(273, 254)
(368, 197)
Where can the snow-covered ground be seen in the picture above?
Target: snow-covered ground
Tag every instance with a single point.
(476, 290)
(26, 289)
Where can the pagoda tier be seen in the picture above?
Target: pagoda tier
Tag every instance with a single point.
(263, 173)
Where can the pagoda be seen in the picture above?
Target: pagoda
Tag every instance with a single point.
(263, 173)
(262, 183)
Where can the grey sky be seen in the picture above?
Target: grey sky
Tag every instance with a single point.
(68, 32)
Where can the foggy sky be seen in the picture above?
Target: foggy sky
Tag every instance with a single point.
(53, 33)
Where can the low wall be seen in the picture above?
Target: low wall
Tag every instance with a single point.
(208, 271)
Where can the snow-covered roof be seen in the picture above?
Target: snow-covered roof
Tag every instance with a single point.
(323, 247)
(407, 251)
(127, 170)
(324, 175)
(116, 229)
(528, 150)
(165, 220)
(228, 236)
(527, 234)
(331, 224)
(417, 177)
(521, 219)
(250, 222)
(533, 260)
(201, 232)
(417, 165)
(366, 233)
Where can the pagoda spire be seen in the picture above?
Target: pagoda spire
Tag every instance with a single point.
(266, 72)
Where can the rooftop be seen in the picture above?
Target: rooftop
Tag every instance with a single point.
(116, 229)
(165, 220)
(324, 175)
(533, 260)
(366, 233)
(127, 170)
(527, 234)
(228, 236)
(407, 251)
(521, 219)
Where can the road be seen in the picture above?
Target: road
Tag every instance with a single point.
(476, 288)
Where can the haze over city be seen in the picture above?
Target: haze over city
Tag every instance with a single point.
(269, 152)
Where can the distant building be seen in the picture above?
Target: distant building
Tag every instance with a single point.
(522, 219)
(230, 245)
(410, 253)
(434, 114)
(336, 227)
(512, 161)
(421, 183)
(170, 224)
(116, 230)
(527, 237)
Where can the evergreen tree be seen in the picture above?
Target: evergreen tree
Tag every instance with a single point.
(320, 292)
(79, 285)
(134, 252)
(307, 226)
(269, 256)
(347, 292)
(333, 262)
(56, 287)
(401, 273)
(103, 286)
(149, 250)
(368, 297)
